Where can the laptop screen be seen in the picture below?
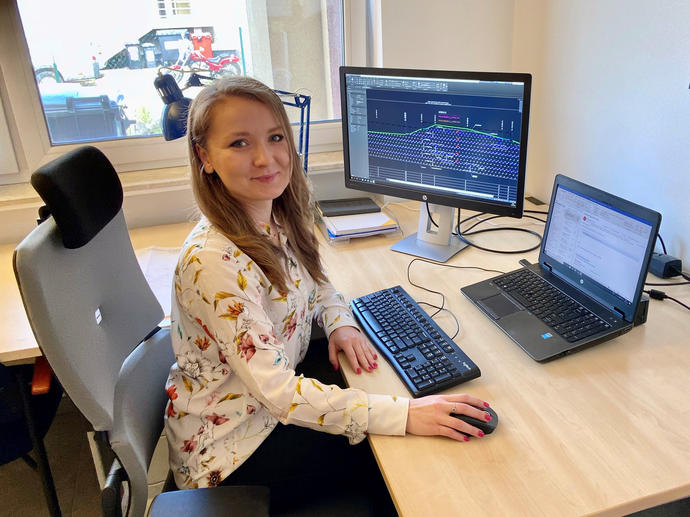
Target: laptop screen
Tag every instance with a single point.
(598, 242)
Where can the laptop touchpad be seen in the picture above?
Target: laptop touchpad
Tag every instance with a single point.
(498, 306)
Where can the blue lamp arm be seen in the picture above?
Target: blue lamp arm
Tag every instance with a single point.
(174, 117)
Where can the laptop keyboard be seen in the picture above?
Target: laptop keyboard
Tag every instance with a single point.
(569, 319)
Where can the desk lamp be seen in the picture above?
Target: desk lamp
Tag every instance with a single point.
(174, 118)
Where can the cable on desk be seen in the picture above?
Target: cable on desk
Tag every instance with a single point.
(457, 323)
(463, 235)
(443, 298)
(660, 295)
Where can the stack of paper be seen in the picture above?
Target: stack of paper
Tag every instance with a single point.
(357, 225)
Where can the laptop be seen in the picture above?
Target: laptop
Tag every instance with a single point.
(588, 283)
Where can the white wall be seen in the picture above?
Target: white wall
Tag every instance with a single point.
(611, 104)
(447, 34)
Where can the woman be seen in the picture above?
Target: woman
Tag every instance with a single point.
(247, 287)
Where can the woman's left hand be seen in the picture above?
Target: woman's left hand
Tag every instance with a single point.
(357, 349)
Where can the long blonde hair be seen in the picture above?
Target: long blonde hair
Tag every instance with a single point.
(292, 209)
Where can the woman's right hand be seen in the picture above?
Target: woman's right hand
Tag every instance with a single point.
(431, 415)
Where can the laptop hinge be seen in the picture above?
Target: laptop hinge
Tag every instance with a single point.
(622, 314)
(549, 266)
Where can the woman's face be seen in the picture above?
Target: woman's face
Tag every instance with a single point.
(247, 148)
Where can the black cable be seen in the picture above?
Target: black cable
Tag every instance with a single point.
(467, 230)
(462, 235)
(663, 246)
(457, 323)
(443, 298)
(660, 295)
(506, 252)
(428, 212)
(684, 275)
(453, 266)
(666, 284)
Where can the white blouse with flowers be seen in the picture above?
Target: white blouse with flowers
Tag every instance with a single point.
(237, 340)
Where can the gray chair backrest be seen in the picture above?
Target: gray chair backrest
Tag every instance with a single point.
(86, 298)
(140, 400)
(88, 308)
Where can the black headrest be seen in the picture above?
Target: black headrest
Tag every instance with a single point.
(82, 191)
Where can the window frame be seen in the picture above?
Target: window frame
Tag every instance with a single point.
(28, 129)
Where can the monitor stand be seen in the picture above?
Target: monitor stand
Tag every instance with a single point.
(430, 242)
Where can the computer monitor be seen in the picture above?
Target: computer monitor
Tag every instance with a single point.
(446, 138)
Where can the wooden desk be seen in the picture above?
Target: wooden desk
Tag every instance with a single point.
(605, 431)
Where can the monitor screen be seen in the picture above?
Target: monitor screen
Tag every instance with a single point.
(456, 139)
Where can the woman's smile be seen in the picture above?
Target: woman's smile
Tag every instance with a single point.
(266, 178)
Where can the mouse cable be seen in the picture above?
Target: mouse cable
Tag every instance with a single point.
(660, 295)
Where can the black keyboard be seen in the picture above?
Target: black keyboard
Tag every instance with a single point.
(423, 356)
(568, 318)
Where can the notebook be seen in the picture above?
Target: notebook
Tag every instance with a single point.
(594, 255)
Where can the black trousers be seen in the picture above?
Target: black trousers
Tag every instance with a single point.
(302, 466)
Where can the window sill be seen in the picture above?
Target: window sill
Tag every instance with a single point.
(168, 178)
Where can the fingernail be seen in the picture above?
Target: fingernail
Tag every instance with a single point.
(466, 438)
(369, 368)
(376, 356)
(486, 404)
(376, 365)
(359, 370)
(487, 416)
(480, 434)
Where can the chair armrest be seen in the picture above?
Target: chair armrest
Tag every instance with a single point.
(43, 373)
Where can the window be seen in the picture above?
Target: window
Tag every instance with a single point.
(88, 75)
(181, 7)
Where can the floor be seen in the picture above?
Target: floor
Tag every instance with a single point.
(77, 486)
(73, 471)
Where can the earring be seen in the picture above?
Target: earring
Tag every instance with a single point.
(207, 171)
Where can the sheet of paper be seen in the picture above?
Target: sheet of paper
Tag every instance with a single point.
(158, 265)
(359, 222)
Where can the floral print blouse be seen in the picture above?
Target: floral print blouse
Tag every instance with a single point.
(237, 340)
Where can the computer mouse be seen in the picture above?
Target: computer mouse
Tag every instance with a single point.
(487, 426)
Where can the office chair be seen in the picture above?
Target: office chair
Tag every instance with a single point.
(95, 319)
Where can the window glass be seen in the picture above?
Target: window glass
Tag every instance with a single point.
(95, 62)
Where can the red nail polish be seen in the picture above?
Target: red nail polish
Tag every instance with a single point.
(466, 438)
(359, 370)
(369, 368)
(480, 434)
(376, 356)
(487, 416)
(486, 404)
(376, 365)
